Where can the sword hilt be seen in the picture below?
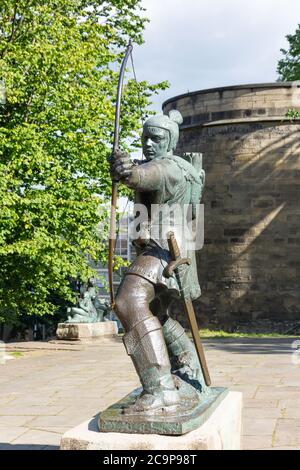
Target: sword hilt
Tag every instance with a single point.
(173, 246)
(175, 255)
(169, 270)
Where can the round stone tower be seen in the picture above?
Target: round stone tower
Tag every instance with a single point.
(249, 268)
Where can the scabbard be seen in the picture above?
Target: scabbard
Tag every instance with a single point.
(188, 305)
(189, 310)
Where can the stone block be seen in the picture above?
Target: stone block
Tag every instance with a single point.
(222, 431)
(86, 331)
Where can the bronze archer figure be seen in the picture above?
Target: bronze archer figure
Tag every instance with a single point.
(163, 355)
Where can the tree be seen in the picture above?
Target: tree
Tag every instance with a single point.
(289, 66)
(59, 66)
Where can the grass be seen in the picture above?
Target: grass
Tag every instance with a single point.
(206, 333)
(16, 354)
(214, 334)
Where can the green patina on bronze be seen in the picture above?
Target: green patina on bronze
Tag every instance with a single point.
(90, 307)
(114, 420)
(175, 396)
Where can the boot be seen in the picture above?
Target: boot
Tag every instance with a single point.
(183, 356)
(146, 346)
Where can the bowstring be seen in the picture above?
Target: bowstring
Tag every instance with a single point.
(142, 121)
(138, 90)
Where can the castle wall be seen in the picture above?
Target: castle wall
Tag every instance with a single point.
(249, 268)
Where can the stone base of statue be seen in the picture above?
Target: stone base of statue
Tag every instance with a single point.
(86, 331)
(218, 430)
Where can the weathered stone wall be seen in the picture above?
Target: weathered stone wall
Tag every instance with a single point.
(249, 267)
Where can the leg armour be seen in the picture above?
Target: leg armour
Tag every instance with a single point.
(146, 346)
(183, 356)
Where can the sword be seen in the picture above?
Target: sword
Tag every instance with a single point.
(188, 305)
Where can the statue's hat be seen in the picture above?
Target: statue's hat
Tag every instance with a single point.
(170, 123)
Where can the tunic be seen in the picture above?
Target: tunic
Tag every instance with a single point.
(169, 188)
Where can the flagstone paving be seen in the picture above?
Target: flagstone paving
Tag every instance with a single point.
(56, 386)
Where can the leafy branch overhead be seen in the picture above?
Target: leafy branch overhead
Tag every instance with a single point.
(59, 66)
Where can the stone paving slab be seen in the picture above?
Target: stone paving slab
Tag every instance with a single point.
(29, 410)
(38, 437)
(258, 426)
(257, 442)
(261, 404)
(44, 394)
(252, 413)
(287, 432)
(12, 420)
(292, 413)
(11, 433)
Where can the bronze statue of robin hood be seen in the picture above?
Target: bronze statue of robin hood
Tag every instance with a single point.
(162, 353)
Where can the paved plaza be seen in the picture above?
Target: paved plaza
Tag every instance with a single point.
(54, 387)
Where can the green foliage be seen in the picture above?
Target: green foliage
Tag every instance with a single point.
(16, 354)
(214, 334)
(289, 66)
(59, 66)
(293, 114)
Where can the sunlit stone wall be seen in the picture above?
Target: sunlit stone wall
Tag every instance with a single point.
(249, 268)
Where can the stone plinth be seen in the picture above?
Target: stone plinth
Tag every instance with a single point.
(222, 431)
(86, 331)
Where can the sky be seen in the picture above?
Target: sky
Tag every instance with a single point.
(197, 44)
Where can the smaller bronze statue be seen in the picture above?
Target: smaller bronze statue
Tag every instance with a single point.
(90, 307)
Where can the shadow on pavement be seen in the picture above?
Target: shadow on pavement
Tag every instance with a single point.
(6, 446)
(253, 345)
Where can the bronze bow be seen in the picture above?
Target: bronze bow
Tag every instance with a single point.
(114, 193)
